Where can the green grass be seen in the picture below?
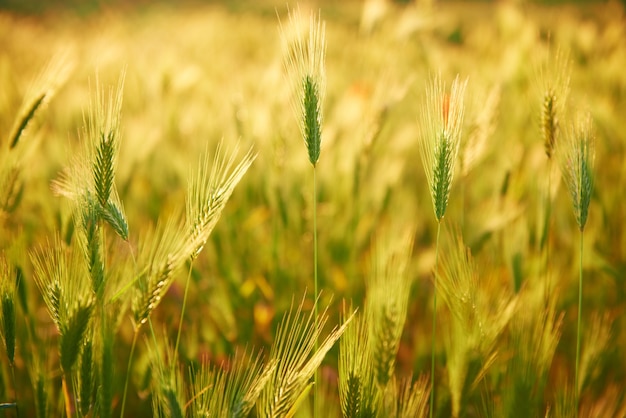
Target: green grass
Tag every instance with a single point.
(157, 224)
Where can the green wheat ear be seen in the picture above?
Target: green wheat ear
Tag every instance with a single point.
(577, 158)
(358, 392)
(440, 138)
(61, 276)
(305, 67)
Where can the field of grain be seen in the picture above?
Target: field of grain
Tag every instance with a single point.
(163, 228)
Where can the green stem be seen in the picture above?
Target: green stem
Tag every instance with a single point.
(130, 360)
(182, 311)
(580, 300)
(316, 381)
(432, 359)
(17, 409)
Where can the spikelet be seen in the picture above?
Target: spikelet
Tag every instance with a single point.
(305, 67)
(296, 361)
(577, 158)
(387, 301)
(440, 137)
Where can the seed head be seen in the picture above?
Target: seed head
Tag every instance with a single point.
(577, 157)
(442, 118)
(305, 67)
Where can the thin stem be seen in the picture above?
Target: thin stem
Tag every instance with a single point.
(182, 311)
(66, 396)
(547, 227)
(432, 359)
(580, 300)
(17, 409)
(130, 360)
(315, 392)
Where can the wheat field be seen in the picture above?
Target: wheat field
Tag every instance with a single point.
(450, 244)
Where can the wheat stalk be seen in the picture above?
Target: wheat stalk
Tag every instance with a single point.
(305, 65)
(440, 138)
(577, 157)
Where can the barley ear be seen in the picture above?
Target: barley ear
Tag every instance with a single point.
(52, 77)
(554, 80)
(440, 137)
(210, 188)
(86, 377)
(577, 158)
(410, 399)
(296, 361)
(73, 333)
(358, 392)
(230, 393)
(163, 251)
(7, 300)
(388, 289)
(62, 278)
(305, 68)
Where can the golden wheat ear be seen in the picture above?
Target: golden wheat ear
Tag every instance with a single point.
(51, 78)
(296, 360)
(388, 289)
(210, 187)
(233, 393)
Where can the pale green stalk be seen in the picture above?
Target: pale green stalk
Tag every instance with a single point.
(432, 359)
(130, 362)
(182, 310)
(316, 289)
(580, 306)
